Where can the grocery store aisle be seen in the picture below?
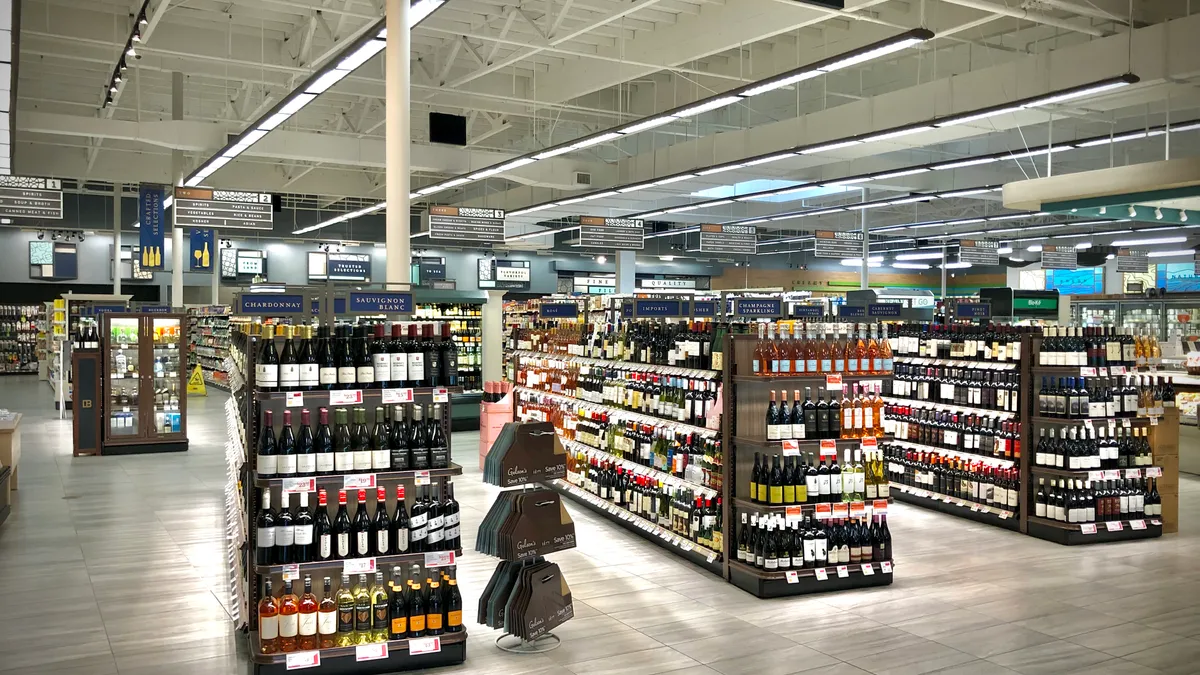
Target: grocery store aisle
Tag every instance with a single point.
(116, 565)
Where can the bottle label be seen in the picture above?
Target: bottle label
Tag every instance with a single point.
(416, 366)
(345, 619)
(365, 374)
(285, 535)
(309, 375)
(267, 465)
(381, 542)
(380, 622)
(327, 622)
(454, 618)
(434, 621)
(343, 544)
(324, 462)
(308, 623)
(382, 366)
(289, 375)
(268, 627)
(344, 461)
(381, 459)
(289, 625)
(326, 547)
(398, 366)
(363, 543)
(810, 365)
(402, 540)
(306, 463)
(266, 537)
(266, 374)
(346, 375)
(328, 375)
(417, 623)
(286, 465)
(400, 626)
(303, 535)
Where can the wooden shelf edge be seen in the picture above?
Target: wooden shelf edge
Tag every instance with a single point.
(381, 562)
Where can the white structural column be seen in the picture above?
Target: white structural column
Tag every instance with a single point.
(397, 136)
(216, 270)
(176, 175)
(864, 282)
(626, 271)
(118, 188)
(493, 337)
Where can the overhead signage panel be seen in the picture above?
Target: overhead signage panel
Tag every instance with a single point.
(269, 304)
(558, 310)
(666, 283)
(672, 309)
(1059, 258)
(1036, 304)
(973, 310)
(704, 308)
(1132, 261)
(152, 232)
(380, 302)
(24, 197)
(466, 223)
(808, 311)
(729, 239)
(852, 312)
(882, 310)
(223, 209)
(203, 249)
(508, 274)
(979, 251)
(625, 234)
(829, 244)
(763, 307)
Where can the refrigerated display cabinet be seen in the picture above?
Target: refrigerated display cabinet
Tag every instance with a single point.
(145, 392)
(1182, 322)
(1143, 317)
(1095, 313)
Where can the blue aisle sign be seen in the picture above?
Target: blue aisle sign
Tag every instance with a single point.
(203, 249)
(704, 308)
(558, 310)
(107, 309)
(153, 229)
(359, 269)
(270, 304)
(853, 312)
(659, 308)
(883, 309)
(973, 310)
(770, 307)
(627, 310)
(808, 311)
(379, 302)
(156, 309)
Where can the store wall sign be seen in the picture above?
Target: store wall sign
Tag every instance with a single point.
(1129, 260)
(627, 310)
(625, 234)
(558, 310)
(156, 309)
(829, 244)
(53, 260)
(596, 281)
(152, 234)
(883, 309)
(766, 307)
(466, 223)
(341, 266)
(666, 283)
(1059, 258)
(107, 309)
(973, 310)
(852, 312)
(1045, 304)
(25, 197)
(203, 247)
(508, 274)
(808, 311)
(659, 308)
(729, 239)
(979, 251)
(381, 302)
(223, 209)
(269, 304)
(704, 308)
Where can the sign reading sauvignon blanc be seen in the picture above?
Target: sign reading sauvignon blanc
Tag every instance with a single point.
(732, 239)
(1059, 258)
(830, 244)
(466, 223)
(626, 234)
(979, 251)
(22, 197)
(223, 209)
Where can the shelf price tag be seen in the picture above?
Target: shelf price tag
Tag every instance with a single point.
(843, 571)
(791, 447)
(821, 574)
(421, 478)
(297, 660)
(886, 566)
(1153, 471)
(1004, 515)
(1094, 476)
(1114, 526)
(1112, 474)
(345, 397)
(439, 559)
(358, 481)
(792, 576)
(290, 572)
(371, 652)
(868, 569)
(1156, 522)
(1153, 421)
(858, 509)
(359, 566)
(297, 485)
(1087, 372)
(1088, 528)
(879, 506)
(870, 443)
(1103, 372)
(710, 557)
(841, 510)
(1133, 473)
(824, 511)
(430, 645)
(1137, 524)
(833, 382)
(1117, 370)
(294, 399)
(1125, 424)
(828, 447)
(397, 396)
(440, 395)
(792, 514)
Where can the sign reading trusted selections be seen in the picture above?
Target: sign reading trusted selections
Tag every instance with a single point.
(152, 234)
(973, 310)
(730, 239)
(1129, 260)
(22, 197)
(349, 266)
(1059, 258)
(626, 234)
(659, 308)
(829, 244)
(467, 223)
(380, 302)
(223, 209)
(768, 307)
(979, 251)
(203, 249)
(269, 304)
(558, 310)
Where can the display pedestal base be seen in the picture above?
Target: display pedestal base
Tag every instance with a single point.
(342, 661)
(775, 584)
(954, 509)
(1069, 534)
(5, 495)
(145, 448)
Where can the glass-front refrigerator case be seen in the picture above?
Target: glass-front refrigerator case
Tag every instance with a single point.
(146, 388)
(1183, 322)
(1095, 313)
(1143, 317)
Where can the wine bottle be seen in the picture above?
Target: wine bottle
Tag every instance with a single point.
(310, 377)
(327, 618)
(308, 617)
(347, 375)
(398, 440)
(267, 461)
(361, 441)
(302, 527)
(360, 528)
(400, 524)
(327, 372)
(322, 528)
(342, 527)
(266, 370)
(397, 358)
(286, 460)
(285, 532)
(289, 367)
(381, 526)
(381, 363)
(265, 533)
(381, 454)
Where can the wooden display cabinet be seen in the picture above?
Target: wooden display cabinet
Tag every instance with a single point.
(145, 383)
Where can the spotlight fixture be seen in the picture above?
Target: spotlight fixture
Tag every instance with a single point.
(1182, 216)
(1132, 212)
(601, 259)
(41, 234)
(1158, 214)
(1103, 210)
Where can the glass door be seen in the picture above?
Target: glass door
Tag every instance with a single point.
(1095, 313)
(169, 376)
(1183, 321)
(124, 377)
(1143, 317)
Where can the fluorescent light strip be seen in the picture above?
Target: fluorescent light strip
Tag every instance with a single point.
(783, 82)
(589, 142)
(671, 233)
(706, 106)
(918, 256)
(1149, 242)
(977, 116)
(541, 233)
(888, 135)
(1170, 254)
(911, 266)
(964, 163)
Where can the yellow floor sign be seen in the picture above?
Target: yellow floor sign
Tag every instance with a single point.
(196, 383)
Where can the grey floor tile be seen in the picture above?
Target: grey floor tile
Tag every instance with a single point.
(1174, 658)
(1050, 658)
(697, 628)
(648, 662)
(730, 645)
(781, 660)
(912, 660)
(1071, 622)
(865, 642)
(1181, 621)
(1117, 667)
(984, 642)
(980, 667)
(1124, 639)
(624, 642)
(947, 623)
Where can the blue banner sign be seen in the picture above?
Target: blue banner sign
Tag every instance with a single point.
(270, 304)
(853, 312)
(973, 310)
(659, 308)
(107, 309)
(627, 310)
(358, 269)
(203, 249)
(809, 311)
(379, 302)
(704, 308)
(771, 307)
(156, 309)
(153, 227)
(558, 310)
(883, 309)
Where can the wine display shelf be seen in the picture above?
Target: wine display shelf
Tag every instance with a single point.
(961, 508)
(946, 407)
(635, 416)
(1082, 371)
(807, 507)
(666, 478)
(702, 373)
(1096, 474)
(1075, 421)
(802, 380)
(987, 459)
(322, 396)
(960, 363)
(774, 584)
(805, 444)
(357, 479)
(1072, 534)
(382, 562)
(343, 660)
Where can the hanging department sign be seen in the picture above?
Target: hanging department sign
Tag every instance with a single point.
(152, 233)
(1060, 258)
(979, 251)
(223, 209)
(973, 310)
(624, 234)
(829, 244)
(380, 302)
(24, 197)
(1129, 260)
(558, 310)
(510, 274)
(269, 304)
(659, 309)
(467, 223)
(766, 307)
(203, 249)
(729, 239)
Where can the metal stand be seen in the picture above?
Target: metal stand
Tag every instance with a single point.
(546, 643)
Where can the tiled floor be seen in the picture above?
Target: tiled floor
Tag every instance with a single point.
(116, 565)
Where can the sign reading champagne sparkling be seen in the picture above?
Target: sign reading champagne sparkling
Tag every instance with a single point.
(766, 307)
(380, 302)
(466, 223)
(627, 234)
(23, 197)
(659, 308)
(829, 244)
(1129, 260)
(729, 239)
(979, 251)
(223, 209)
(1060, 258)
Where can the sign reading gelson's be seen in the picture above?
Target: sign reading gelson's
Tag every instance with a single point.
(24, 197)
(829, 244)
(467, 223)
(626, 234)
(729, 239)
(223, 209)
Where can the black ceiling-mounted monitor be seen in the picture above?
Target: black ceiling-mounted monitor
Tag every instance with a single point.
(448, 129)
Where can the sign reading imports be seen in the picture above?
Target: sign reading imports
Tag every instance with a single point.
(152, 233)
(829, 244)
(1129, 260)
(23, 197)
(979, 251)
(380, 302)
(766, 307)
(659, 308)
(729, 239)
(558, 310)
(973, 310)
(1060, 258)
(626, 234)
(223, 209)
(466, 223)
(203, 247)
(269, 304)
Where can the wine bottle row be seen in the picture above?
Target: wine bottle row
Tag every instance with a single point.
(987, 435)
(394, 444)
(993, 342)
(967, 387)
(796, 481)
(847, 348)
(682, 345)
(769, 542)
(357, 357)
(304, 535)
(1096, 346)
(360, 614)
(858, 414)
(966, 480)
(1080, 501)
(1081, 448)
(1102, 397)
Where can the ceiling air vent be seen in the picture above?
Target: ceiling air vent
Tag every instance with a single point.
(582, 178)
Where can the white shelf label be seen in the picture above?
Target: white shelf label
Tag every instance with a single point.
(371, 652)
(291, 572)
(358, 481)
(792, 576)
(886, 566)
(1087, 372)
(294, 399)
(359, 566)
(1133, 473)
(791, 448)
(439, 559)
(833, 382)
(868, 569)
(345, 397)
(422, 478)
(843, 571)
(430, 645)
(440, 395)
(1114, 526)
(1153, 471)
(298, 485)
(397, 396)
(1088, 528)
(710, 557)
(821, 574)
(297, 660)
(1137, 524)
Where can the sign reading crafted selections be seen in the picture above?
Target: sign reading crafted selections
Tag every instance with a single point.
(222, 209)
(466, 223)
(979, 251)
(625, 234)
(730, 239)
(152, 234)
(830, 244)
(22, 197)
(1059, 258)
